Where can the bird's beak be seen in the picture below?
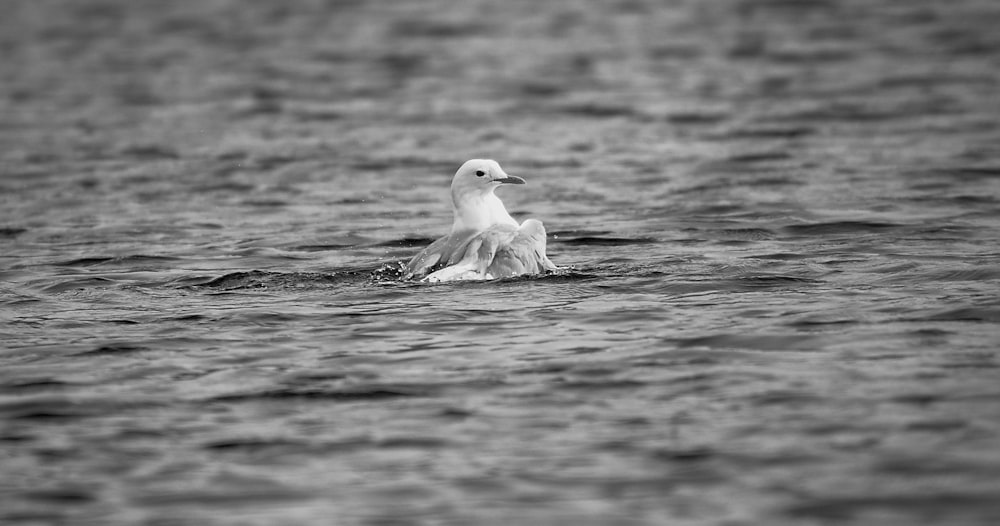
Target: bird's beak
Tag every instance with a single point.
(509, 179)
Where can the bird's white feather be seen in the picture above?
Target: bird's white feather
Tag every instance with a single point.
(485, 242)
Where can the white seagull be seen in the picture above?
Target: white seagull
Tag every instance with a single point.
(485, 241)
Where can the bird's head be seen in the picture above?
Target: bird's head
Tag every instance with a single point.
(480, 176)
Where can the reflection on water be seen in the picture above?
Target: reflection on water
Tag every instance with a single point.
(780, 220)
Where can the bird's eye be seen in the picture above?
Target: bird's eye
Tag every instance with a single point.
(480, 173)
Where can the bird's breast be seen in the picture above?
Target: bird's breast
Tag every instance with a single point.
(478, 214)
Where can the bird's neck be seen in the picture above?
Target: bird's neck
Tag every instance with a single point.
(478, 211)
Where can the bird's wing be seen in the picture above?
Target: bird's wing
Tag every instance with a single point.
(524, 254)
(477, 255)
(501, 251)
(439, 254)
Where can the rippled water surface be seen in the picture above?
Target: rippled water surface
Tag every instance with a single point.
(781, 222)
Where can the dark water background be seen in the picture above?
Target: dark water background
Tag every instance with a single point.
(782, 218)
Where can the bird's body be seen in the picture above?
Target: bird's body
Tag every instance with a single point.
(485, 242)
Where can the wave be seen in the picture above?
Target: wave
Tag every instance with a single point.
(259, 279)
(841, 227)
(131, 259)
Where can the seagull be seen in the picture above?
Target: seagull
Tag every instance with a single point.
(485, 241)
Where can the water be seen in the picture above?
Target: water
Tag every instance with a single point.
(781, 220)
